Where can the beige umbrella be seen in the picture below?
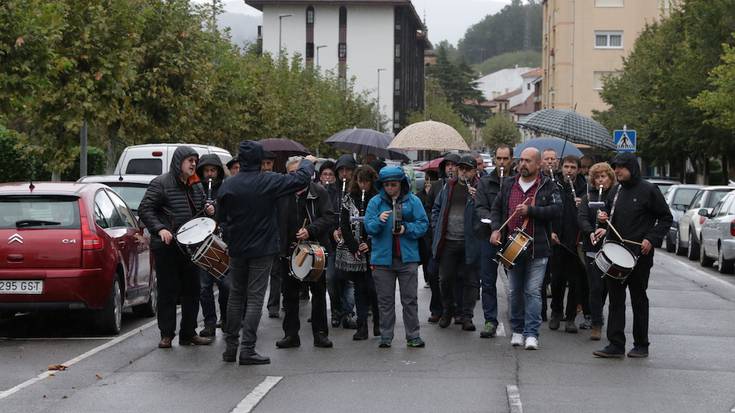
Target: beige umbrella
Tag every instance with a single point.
(429, 135)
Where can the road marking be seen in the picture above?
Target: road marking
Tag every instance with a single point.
(702, 272)
(254, 397)
(77, 359)
(54, 338)
(514, 399)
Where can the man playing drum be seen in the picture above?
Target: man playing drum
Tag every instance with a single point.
(531, 202)
(639, 214)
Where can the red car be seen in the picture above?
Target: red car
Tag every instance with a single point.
(73, 246)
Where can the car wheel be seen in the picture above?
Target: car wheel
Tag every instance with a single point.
(149, 308)
(678, 250)
(109, 319)
(724, 266)
(669, 243)
(704, 260)
(693, 248)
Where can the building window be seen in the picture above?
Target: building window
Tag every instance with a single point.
(598, 79)
(343, 16)
(310, 15)
(398, 51)
(397, 87)
(342, 51)
(609, 40)
(609, 3)
(309, 50)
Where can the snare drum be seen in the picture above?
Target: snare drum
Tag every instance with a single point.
(615, 260)
(517, 244)
(206, 249)
(308, 261)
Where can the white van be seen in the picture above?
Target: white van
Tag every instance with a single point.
(155, 158)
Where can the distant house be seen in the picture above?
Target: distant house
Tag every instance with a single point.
(501, 82)
(380, 43)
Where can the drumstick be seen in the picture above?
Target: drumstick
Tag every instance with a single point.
(511, 216)
(621, 238)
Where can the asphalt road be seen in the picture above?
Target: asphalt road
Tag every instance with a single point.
(691, 367)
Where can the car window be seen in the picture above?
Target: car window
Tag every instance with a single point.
(132, 195)
(714, 197)
(123, 210)
(724, 205)
(697, 201)
(106, 214)
(58, 212)
(144, 166)
(684, 196)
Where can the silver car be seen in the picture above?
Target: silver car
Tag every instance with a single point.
(718, 235)
(690, 225)
(131, 188)
(678, 197)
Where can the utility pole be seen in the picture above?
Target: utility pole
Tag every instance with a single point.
(377, 127)
(83, 149)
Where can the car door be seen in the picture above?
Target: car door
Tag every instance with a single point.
(710, 227)
(140, 246)
(109, 219)
(691, 213)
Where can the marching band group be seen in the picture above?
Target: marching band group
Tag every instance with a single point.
(587, 231)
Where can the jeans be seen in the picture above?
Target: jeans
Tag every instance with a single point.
(274, 296)
(249, 280)
(291, 289)
(385, 286)
(454, 270)
(488, 281)
(178, 279)
(526, 279)
(566, 271)
(365, 296)
(637, 284)
(206, 297)
(341, 291)
(597, 292)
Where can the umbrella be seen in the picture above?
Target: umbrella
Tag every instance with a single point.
(570, 125)
(429, 135)
(293, 148)
(562, 147)
(365, 141)
(432, 165)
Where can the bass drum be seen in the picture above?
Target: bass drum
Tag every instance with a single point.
(308, 261)
(615, 260)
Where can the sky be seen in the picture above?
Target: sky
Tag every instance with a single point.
(446, 19)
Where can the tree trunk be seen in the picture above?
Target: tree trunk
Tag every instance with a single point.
(55, 175)
(725, 168)
(706, 169)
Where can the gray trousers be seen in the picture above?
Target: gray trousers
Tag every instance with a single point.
(385, 287)
(249, 281)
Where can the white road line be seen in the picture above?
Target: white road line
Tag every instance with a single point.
(254, 397)
(77, 359)
(702, 272)
(514, 399)
(54, 338)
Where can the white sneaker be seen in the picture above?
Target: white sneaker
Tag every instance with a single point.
(531, 343)
(516, 340)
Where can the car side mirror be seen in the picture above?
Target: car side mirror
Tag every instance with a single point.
(703, 213)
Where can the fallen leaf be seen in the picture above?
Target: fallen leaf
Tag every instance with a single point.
(65, 397)
(98, 376)
(59, 367)
(44, 396)
(98, 76)
(52, 375)
(19, 41)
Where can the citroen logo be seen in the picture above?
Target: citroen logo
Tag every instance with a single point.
(15, 238)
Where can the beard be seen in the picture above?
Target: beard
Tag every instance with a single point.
(525, 173)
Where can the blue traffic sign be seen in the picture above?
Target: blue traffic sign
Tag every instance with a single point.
(625, 140)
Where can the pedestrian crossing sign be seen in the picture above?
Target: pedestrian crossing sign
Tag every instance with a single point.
(625, 140)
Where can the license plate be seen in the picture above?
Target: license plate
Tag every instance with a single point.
(21, 287)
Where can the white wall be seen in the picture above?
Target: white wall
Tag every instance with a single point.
(502, 82)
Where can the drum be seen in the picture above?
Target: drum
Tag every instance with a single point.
(206, 249)
(308, 261)
(517, 244)
(615, 260)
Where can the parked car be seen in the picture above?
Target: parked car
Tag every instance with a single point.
(662, 184)
(718, 235)
(73, 246)
(690, 224)
(131, 188)
(678, 197)
(155, 159)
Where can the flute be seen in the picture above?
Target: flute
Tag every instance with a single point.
(209, 190)
(551, 173)
(571, 185)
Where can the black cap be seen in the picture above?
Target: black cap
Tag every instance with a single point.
(231, 162)
(269, 155)
(467, 160)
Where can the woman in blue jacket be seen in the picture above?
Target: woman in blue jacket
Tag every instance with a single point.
(395, 219)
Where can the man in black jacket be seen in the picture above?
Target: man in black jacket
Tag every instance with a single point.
(639, 213)
(341, 290)
(249, 221)
(311, 204)
(487, 190)
(171, 200)
(530, 202)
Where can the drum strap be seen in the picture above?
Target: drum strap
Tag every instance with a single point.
(612, 210)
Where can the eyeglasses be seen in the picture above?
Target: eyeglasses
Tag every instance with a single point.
(391, 184)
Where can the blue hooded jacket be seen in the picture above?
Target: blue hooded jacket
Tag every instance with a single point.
(414, 220)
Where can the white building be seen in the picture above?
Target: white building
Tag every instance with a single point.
(379, 43)
(502, 82)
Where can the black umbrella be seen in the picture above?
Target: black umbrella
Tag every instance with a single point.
(293, 148)
(569, 125)
(365, 141)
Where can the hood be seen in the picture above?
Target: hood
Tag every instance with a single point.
(392, 173)
(377, 165)
(211, 160)
(250, 154)
(345, 161)
(630, 162)
(181, 153)
(452, 157)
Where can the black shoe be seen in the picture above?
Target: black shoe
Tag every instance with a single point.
(610, 352)
(208, 331)
(230, 355)
(320, 340)
(433, 319)
(458, 320)
(555, 321)
(289, 342)
(467, 324)
(361, 333)
(348, 322)
(335, 322)
(221, 323)
(445, 321)
(253, 359)
(638, 352)
(195, 341)
(272, 314)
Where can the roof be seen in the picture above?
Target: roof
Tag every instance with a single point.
(525, 108)
(118, 179)
(508, 95)
(46, 188)
(537, 72)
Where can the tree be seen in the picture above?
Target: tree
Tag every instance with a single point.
(500, 130)
(459, 84)
(439, 109)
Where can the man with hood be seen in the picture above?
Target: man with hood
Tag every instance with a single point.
(245, 210)
(210, 168)
(395, 219)
(639, 213)
(171, 200)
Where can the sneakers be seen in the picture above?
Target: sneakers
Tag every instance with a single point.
(610, 352)
(416, 343)
(384, 342)
(467, 324)
(638, 352)
(570, 327)
(554, 321)
(596, 333)
(531, 343)
(587, 323)
(488, 330)
(516, 340)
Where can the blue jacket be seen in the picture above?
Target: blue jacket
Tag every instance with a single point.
(440, 218)
(414, 220)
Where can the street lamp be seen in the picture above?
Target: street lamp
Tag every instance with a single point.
(280, 30)
(378, 121)
(317, 54)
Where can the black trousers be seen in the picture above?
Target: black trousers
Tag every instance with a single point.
(453, 270)
(365, 296)
(177, 279)
(597, 292)
(291, 289)
(566, 272)
(637, 284)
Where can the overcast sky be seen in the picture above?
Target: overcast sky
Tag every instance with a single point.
(447, 19)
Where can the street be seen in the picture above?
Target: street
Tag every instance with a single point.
(691, 367)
